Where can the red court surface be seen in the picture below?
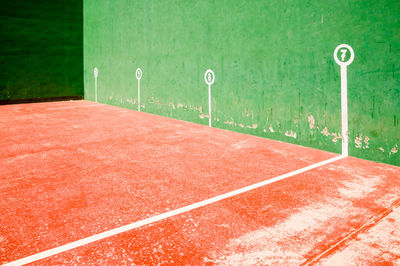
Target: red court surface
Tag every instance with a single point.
(71, 170)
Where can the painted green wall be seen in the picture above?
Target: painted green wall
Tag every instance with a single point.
(41, 49)
(275, 73)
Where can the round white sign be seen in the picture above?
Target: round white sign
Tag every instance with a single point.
(342, 51)
(96, 72)
(139, 73)
(209, 77)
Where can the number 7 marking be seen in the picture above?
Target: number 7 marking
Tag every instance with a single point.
(343, 53)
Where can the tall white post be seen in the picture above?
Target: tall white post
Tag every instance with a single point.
(209, 105)
(345, 123)
(209, 78)
(139, 74)
(344, 49)
(96, 74)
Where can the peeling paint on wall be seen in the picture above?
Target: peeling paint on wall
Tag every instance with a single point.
(366, 142)
(229, 122)
(254, 126)
(358, 141)
(325, 131)
(271, 129)
(311, 121)
(336, 137)
(290, 134)
(394, 150)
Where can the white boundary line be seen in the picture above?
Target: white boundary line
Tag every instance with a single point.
(128, 227)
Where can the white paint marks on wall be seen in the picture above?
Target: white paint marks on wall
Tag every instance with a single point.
(291, 134)
(254, 126)
(366, 142)
(271, 129)
(311, 121)
(336, 137)
(358, 141)
(325, 131)
(394, 150)
(229, 122)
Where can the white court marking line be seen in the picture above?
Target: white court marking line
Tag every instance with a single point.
(128, 227)
(70, 107)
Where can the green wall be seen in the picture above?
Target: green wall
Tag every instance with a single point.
(41, 49)
(275, 73)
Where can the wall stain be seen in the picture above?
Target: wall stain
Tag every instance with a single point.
(394, 150)
(291, 134)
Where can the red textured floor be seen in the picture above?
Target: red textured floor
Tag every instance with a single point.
(69, 170)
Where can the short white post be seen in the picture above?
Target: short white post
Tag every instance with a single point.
(209, 77)
(344, 49)
(96, 74)
(139, 74)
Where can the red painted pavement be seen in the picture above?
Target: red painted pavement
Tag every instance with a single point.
(69, 170)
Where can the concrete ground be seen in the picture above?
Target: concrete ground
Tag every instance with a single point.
(70, 171)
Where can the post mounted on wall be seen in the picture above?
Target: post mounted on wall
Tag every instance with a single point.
(96, 74)
(139, 74)
(209, 77)
(346, 55)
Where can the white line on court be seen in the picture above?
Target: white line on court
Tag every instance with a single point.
(125, 228)
(71, 107)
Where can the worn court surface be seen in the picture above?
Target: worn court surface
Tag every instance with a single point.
(69, 170)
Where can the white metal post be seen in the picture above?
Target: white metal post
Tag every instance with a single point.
(138, 84)
(344, 48)
(345, 123)
(96, 74)
(209, 105)
(209, 78)
(139, 74)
